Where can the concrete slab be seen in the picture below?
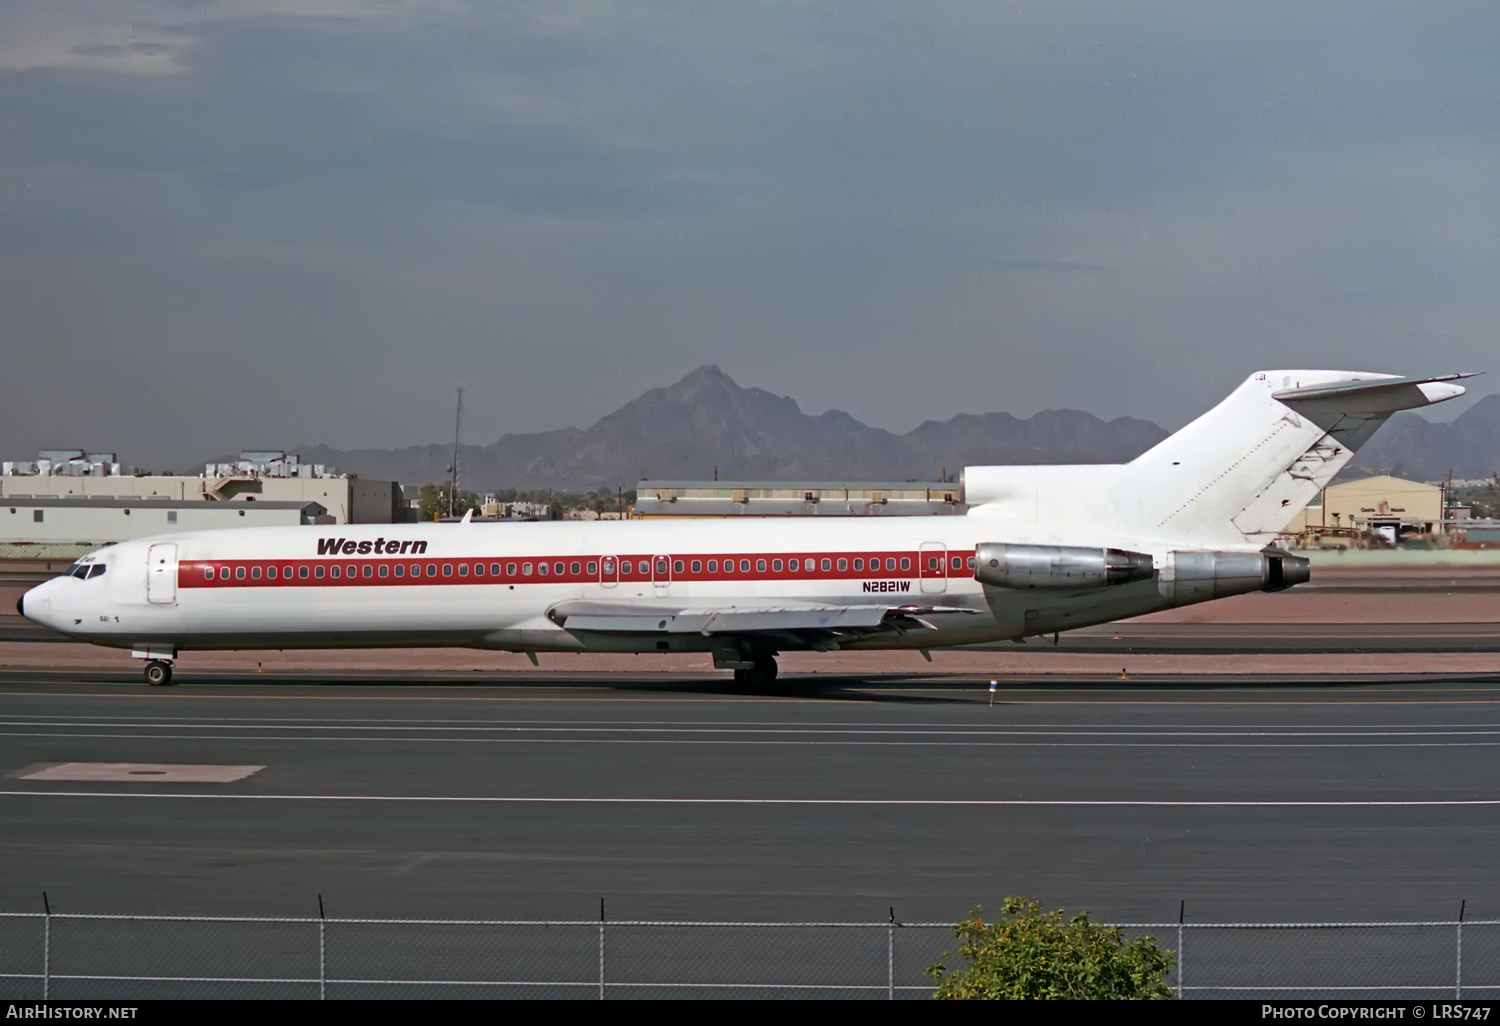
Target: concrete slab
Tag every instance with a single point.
(139, 772)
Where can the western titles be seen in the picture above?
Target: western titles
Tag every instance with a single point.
(349, 547)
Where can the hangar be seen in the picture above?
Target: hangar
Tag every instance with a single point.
(1389, 507)
(797, 499)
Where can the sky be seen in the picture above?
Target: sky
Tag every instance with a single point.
(235, 224)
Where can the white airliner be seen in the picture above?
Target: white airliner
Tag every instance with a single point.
(1042, 549)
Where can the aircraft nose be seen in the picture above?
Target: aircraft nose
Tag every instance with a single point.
(34, 606)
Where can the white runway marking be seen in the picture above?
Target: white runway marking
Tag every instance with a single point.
(1151, 803)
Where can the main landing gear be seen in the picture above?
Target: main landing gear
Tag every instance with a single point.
(158, 672)
(759, 675)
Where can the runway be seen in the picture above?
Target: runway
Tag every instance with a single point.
(677, 797)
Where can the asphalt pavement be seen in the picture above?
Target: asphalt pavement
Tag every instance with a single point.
(679, 797)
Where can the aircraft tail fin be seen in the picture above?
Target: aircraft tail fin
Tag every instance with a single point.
(1240, 473)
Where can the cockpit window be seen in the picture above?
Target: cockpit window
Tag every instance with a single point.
(83, 571)
(97, 570)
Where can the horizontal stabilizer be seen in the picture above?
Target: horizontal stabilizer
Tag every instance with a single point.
(1381, 392)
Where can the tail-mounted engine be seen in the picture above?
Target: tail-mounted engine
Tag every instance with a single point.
(1200, 576)
(1003, 565)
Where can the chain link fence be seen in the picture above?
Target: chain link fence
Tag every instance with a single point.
(81, 957)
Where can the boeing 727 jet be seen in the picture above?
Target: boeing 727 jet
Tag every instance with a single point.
(1042, 549)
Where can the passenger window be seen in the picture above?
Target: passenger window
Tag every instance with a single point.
(932, 562)
(890, 562)
(318, 571)
(270, 573)
(609, 566)
(661, 567)
(352, 570)
(463, 569)
(792, 565)
(543, 569)
(843, 564)
(593, 568)
(859, 564)
(431, 569)
(625, 566)
(677, 566)
(827, 565)
(760, 566)
(255, 572)
(478, 569)
(447, 569)
(645, 567)
(575, 568)
(557, 568)
(366, 571)
(776, 565)
(400, 569)
(697, 566)
(971, 563)
(495, 569)
(239, 573)
(744, 566)
(713, 566)
(208, 573)
(510, 570)
(957, 563)
(302, 573)
(333, 571)
(905, 563)
(385, 571)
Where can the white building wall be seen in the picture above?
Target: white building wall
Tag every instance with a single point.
(61, 525)
(335, 494)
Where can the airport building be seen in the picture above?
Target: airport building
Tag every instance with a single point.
(1384, 506)
(87, 523)
(796, 499)
(259, 477)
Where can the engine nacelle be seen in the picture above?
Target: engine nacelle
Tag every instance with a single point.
(1200, 576)
(1003, 565)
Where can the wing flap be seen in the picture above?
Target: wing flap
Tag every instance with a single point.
(627, 619)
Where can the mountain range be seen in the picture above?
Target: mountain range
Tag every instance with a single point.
(707, 423)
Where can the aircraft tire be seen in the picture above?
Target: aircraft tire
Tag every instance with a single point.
(158, 673)
(762, 674)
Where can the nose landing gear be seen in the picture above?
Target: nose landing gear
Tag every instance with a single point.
(158, 673)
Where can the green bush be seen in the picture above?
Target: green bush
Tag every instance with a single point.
(1032, 954)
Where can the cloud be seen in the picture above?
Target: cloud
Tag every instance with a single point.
(330, 213)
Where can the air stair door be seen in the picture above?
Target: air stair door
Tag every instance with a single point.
(161, 574)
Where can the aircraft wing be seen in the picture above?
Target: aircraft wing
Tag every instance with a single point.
(804, 622)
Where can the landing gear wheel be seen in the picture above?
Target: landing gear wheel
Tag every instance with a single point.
(158, 673)
(759, 675)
